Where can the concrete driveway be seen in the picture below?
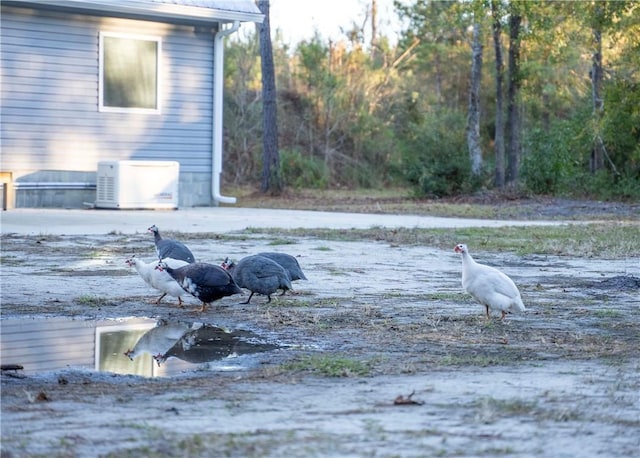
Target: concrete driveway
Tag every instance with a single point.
(33, 221)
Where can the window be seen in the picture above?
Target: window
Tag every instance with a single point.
(129, 73)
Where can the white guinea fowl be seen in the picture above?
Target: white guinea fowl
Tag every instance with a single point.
(159, 339)
(488, 285)
(157, 279)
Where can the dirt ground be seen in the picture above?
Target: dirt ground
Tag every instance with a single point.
(375, 323)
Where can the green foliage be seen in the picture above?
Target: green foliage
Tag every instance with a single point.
(554, 157)
(302, 171)
(353, 115)
(621, 122)
(433, 157)
(557, 160)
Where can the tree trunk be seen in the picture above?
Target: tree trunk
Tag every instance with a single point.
(374, 24)
(499, 129)
(513, 106)
(473, 119)
(597, 153)
(271, 180)
(438, 89)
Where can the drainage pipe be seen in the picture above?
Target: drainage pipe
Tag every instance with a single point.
(218, 85)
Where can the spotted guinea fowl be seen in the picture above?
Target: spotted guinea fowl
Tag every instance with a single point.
(259, 275)
(204, 281)
(168, 248)
(289, 263)
(159, 280)
(488, 285)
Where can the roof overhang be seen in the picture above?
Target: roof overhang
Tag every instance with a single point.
(152, 10)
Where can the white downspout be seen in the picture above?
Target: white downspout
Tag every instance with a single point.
(218, 86)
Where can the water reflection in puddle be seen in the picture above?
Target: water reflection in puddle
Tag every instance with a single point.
(140, 346)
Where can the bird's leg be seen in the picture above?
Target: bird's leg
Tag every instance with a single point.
(283, 291)
(180, 302)
(248, 300)
(503, 315)
(268, 298)
(160, 298)
(486, 307)
(204, 307)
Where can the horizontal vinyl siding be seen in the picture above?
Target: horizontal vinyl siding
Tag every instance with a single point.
(61, 343)
(49, 95)
(56, 343)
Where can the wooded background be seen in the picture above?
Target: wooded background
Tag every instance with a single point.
(534, 97)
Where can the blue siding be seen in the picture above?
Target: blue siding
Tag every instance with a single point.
(49, 95)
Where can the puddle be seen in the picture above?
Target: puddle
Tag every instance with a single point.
(139, 346)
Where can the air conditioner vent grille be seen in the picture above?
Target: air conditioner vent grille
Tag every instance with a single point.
(106, 188)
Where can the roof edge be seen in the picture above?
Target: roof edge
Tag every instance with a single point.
(139, 10)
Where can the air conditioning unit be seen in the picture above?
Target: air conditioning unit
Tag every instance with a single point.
(137, 184)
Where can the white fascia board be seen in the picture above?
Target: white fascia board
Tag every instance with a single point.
(145, 9)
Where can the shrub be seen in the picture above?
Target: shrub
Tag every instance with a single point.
(553, 158)
(433, 156)
(301, 171)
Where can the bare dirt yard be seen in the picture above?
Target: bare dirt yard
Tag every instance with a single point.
(380, 353)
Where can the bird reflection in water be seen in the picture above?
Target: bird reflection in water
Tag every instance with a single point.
(210, 343)
(197, 342)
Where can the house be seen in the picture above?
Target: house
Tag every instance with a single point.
(107, 80)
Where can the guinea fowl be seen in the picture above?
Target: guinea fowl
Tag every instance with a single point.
(144, 270)
(204, 281)
(259, 275)
(289, 263)
(157, 340)
(161, 281)
(488, 285)
(168, 248)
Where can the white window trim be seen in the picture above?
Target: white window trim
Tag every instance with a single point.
(159, 81)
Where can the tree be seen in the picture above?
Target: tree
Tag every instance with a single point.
(597, 77)
(499, 122)
(271, 179)
(513, 106)
(473, 118)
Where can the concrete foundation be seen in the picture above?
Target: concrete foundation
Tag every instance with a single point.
(64, 189)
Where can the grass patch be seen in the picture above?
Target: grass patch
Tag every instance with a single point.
(607, 313)
(495, 205)
(9, 260)
(282, 241)
(330, 366)
(490, 409)
(470, 360)
(91, 301)
(444, 296)
(607, 240)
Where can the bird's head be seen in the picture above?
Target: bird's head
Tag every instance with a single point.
(461, 248)
(131, 261)
(159, 359)
(153, 229)
(129, 354)
(228, 264)
(161, 266)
